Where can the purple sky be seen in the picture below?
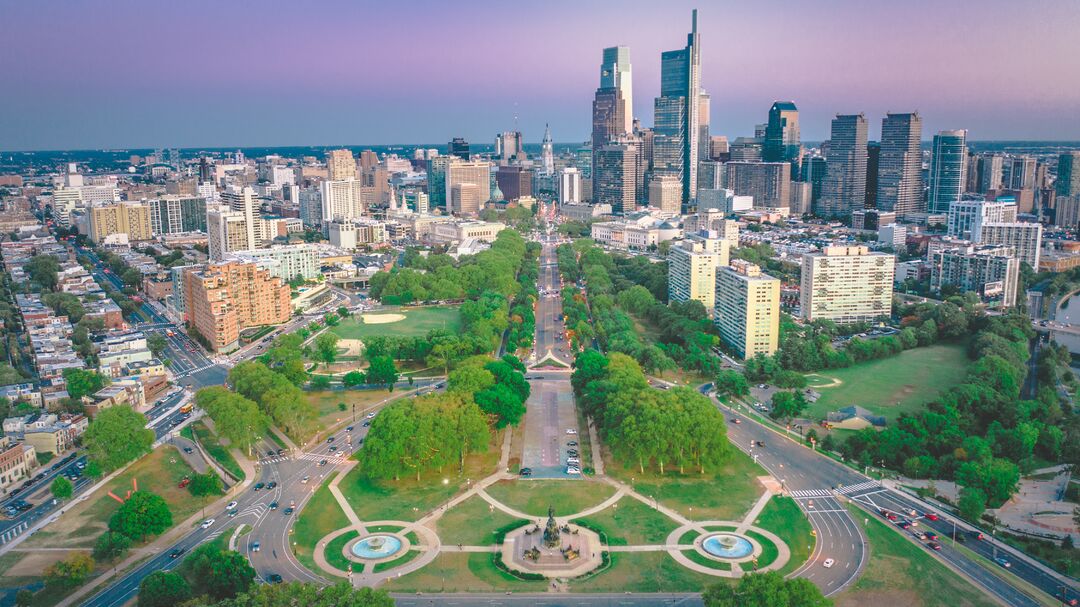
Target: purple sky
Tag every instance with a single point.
(151, 73)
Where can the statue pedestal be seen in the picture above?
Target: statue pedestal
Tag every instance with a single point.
(577, 553)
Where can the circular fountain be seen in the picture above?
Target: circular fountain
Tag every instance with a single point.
(727, 546)
(376, 547)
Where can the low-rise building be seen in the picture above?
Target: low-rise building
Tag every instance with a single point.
(17, 460)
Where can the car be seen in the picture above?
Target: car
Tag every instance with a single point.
(761, 443)
(930, 516)
(934, 545)
(273, 578)
(761, 386)
(525, 472)
(918, 534)
(330, 439)
(254, 546)
(572, 443)
(280, 452)
(370, 415)
(930, 535)
(572, 452)
(259, 486)
(273, 505)
(233, 513)
(1004, 562)
(571, 431)
(349, 429)
(288, 510)
(188, 450)
(184, 482)
(269, 454)
(979, 536)
(305, 479)
(322, 462)
(573, 460)
(206, 524)
(573, 470)
(828, 563)
(366, 424)
(904, 525)
(231, 505)
(271, 485)
(176, 553)
(736, 420)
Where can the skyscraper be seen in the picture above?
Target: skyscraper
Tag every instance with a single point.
(510, 145)
(617, 177)
(844, 188)
(1068, 174)
(547, 152)
(677, 113)
(899, 187)
(612, 109)
(458, 147)
(340, 164)
(948, 170)
(782, 139)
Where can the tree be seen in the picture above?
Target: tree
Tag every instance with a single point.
(144, 513)
(81, 382)
(92, 469)
(469, 380)
(352, 378)
(202, 485)
(294, 370)
(221, 574)
(62, 488)
(731, 383)
(344, 312)
(326, 347)
(501, 402)
(382, 372)
(765, 590)
(156, 343)
(320, 382)
(972, 503)
(117, 436)
(163, 589)
(235, 417)
(69, 572)
(43, 269)
(110, 546)
(24, 598)
(787, 405)
(341, 594)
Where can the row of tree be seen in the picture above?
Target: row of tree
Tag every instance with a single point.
(280, 400)
(677, 428)
(499, 387)
(166, 589)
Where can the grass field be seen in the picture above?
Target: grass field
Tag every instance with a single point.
(645, 572)
(534, 497)
(334, 551)
(725, 494)
(629, 521)
(417, 323)
(327, 404)
(893, 385)
(901, 573)
(216, 450)
(319, 517)
(462, 572)
(783, 517)
(159, 472)
(472, 523)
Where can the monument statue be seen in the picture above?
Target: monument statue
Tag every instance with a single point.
(551, 531)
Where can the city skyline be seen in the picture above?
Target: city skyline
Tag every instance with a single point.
(102, 78)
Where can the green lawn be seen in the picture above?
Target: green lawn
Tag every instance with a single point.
(318, 517)
(472, 523)
(901, 573)
(630, 522)
(645, 572)
(893, 385)
(534, 497)
(398, 562)
(462, 572)
(216, 450)
(327, 403)
(334, 555)
(725, 494)
(783, 517)
(417, 323)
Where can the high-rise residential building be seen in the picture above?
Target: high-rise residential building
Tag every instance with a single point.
(547, 152)
(310, 206)
(1067, 211)
(237, 225)
(783, 142)
(368, 160)
(769, 183)
(570, 186)
(476, 172)
(340, 165)
(677, 113)
(342, 199)
(1018, 172)
(873, 160)
(846, 284)
(991, 168)
(510, 145)
(899, 187)
(177, 214)
(1025, 238)
(948, 161)
(1068, 174)
(458, 147)
(719, 147)
(617, 177)
(665, 193)
(465, 199)
(120, 218)
(812, 171)
(747, 312)
(222, 299)
(692, 268)
(710, 175)
(515, 181)
(746, 149)
(844, 189)
(967, 216)
(992, 271)
(722, 200)
(285, 262)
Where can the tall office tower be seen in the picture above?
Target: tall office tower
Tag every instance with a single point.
(340, 165)
(612, 110)
(547, 152)
(570, 186)
(719, 148)
(710, 175)
(846, 284)
(206, 170)
(966, 216)
(692, 269)
(704, 112)
(899, 187)
(133, 220)
(991, 167)
(769, 183)
(873, 161)
(844, 189)
(617, 177)
(971, 172)
(436, 180)
(510, 145)
(1018, 173)
(812, 171)
(948, 173)
(747, 313)
(514, 181)
(458, 147)
(342, 200)
(782, 139)
(476, 172)
(177, 214)
(1068, 174)
(465, 199)
(665, 193)
(677, 112)
(1067, 211)
(368, 160)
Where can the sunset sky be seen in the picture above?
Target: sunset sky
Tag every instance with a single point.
(118, 73)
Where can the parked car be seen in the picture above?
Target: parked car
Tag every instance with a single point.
(525, 472)
(572, 443)
(573, 470)
(571, 431)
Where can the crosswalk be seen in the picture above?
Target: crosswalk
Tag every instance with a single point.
(846, 490)
(13, 533)
(317, 457)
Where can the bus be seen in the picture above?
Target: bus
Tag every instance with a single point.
(187, 408)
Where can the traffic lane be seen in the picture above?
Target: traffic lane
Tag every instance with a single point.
(546, 600)
(54, 470)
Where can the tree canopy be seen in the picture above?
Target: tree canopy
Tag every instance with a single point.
(142, 514)
(219, 574)
(116, 436)
(765, 590)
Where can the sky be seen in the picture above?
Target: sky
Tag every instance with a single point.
(82, 74)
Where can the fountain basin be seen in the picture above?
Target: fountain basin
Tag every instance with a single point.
(377, 546)
(727, 546)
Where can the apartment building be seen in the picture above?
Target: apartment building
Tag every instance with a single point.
(692, 268)
(224, 298)
(991, 271)
(846, 284)
(122, 218)
(747, 309)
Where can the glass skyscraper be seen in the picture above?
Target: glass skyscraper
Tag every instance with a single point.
(899, 187)
(844, 188)
(677, 114)
(948, 170)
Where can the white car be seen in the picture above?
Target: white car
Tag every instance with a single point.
(305, 479)
(231, 505)
(573, 461)
(206, 524)
(573, 470)
(571, 431)
(828, 563)
(370, 415)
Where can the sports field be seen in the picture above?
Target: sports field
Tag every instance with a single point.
(406, 322)
(890, 386)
